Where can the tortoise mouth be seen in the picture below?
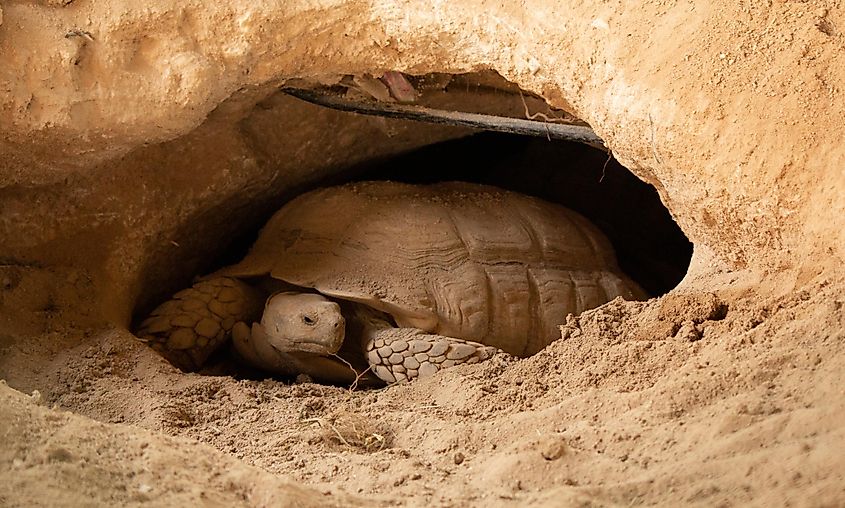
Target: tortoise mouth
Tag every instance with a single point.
(315, 347)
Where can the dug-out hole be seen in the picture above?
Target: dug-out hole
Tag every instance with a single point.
(649, 245)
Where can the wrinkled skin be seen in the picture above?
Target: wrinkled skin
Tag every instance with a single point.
(303, 322)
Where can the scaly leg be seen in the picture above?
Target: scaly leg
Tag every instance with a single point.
(189, 327)
(399, 354)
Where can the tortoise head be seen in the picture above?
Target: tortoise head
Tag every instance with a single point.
(303, 322)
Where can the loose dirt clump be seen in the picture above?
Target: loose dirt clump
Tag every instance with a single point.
(353, 431)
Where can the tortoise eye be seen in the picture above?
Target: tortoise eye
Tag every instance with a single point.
(308, 320)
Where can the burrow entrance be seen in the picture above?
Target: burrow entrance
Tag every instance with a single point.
(649, 245)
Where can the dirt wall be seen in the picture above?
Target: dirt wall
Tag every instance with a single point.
(687, 103)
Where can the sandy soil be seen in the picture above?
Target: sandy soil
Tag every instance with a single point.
(137, 144)
(716, 397)
(75, 461)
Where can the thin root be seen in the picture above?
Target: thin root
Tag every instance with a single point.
(357, 437)
(543, 116)
(358, 375)
(604, 168)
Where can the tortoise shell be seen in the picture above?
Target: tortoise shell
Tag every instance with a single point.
(457, 259)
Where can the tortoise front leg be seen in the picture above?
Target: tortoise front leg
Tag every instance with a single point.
(189, 327)
(399, 354)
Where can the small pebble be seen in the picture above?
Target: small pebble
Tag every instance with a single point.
(688, 332)
(458, 458)
(552, 447)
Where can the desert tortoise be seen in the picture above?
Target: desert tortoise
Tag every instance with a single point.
(424, 277)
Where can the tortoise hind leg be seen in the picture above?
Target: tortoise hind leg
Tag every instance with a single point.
(399, 354)
(193, 324)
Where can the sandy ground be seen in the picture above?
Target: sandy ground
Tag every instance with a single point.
(75, 461)
(708, 397)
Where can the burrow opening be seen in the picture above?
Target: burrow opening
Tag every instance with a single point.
(650, 247)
